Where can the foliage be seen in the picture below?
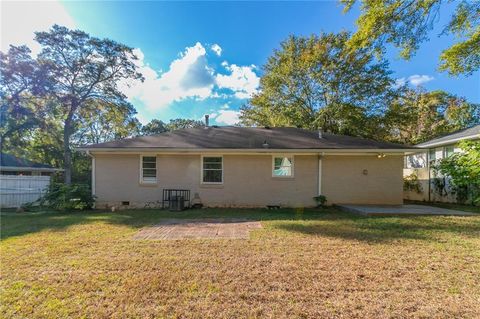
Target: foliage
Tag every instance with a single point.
(153, 127)
(83, 72)
(463, 169)
(177, 124)
(68, 197)
(316, 82)
(406, 24)
(418, 116)
(156, 126)
(20, 110)
(101, 122)
(321, 200)
(412, 184)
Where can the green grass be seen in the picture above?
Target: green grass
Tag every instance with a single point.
(316, 263)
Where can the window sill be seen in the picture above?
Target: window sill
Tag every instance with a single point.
(148, 184)
(285, 178)
(211, 185)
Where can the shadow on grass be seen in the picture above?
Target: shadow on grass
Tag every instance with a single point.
(387, 229)
(324, 222)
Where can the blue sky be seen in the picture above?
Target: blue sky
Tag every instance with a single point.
(206, 58)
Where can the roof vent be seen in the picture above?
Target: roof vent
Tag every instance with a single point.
(320, 133)
(206, 120)
(265, 144)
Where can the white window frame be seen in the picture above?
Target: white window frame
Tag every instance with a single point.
(142, 180)
(201, 170)
(445, 152)
(293, 165)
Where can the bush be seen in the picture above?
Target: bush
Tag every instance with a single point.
(411, 183)
(60, 196)
(463, 170)
(321, 200)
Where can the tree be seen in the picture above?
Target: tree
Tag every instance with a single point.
(418, 116)
(154, 127)
(82, 70)
(20, 110)
(406, 24)
(101, 122)
(177, 124)
(463, 168)
(317, 82)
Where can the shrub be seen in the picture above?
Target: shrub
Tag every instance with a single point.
(411, 183)
(321, 200)
(463, 169)
(60, 196)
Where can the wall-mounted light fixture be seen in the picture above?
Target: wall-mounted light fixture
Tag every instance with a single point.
(365, 172)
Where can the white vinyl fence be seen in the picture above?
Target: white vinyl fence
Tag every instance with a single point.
(18, 190)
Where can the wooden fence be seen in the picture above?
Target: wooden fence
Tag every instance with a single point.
(18, 190)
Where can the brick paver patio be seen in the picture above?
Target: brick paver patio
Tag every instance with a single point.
(199, 229)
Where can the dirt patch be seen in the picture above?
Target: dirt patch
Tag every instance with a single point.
(199, 229)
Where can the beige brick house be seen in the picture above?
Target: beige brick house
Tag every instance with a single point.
(247, 167)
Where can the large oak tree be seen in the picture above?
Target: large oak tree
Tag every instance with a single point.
(83, 71)
(407, 23)
(317, 82)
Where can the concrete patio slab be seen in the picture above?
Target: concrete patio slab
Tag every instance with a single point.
(379, 210)
(199, 229)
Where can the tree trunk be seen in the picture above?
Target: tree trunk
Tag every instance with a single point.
(67, 152)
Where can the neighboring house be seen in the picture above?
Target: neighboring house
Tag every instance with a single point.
(420, 163)
(247, 167)
(21, 180)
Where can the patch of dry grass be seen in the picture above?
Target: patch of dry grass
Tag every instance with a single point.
(315, 264)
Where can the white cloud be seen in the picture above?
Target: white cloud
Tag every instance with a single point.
(242, 80)
(225, 106)
(217, 49)
(189, 76)
(20, 19)
(414, 80)
(228, 117)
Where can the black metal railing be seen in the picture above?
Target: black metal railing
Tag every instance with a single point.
(177, 199)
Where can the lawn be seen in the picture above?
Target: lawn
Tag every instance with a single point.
(307, 264)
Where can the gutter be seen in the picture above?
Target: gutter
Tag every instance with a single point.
(35, 169)
(442, 143)
(256, 151)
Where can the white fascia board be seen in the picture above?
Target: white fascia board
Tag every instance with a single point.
(246, 151)
(24, 169)
(448, 142)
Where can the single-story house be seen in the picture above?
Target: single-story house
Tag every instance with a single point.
(247, 167)
(13, 165)
(420, 163)
(22, 181)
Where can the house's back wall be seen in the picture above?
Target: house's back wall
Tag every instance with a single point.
(248, 180)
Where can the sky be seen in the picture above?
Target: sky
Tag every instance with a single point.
(206, 57)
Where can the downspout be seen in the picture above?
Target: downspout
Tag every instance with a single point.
(319, 177)
(93, 172)
(428, 167)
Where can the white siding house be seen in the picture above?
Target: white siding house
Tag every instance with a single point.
(419, 164)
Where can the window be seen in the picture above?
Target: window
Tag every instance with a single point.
(449, 150)
(431, 155)
(149, 169)
(282, 166)
(212, 171)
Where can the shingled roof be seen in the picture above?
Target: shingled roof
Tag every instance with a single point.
(231, 137)
(465, 134)
(7, 160)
